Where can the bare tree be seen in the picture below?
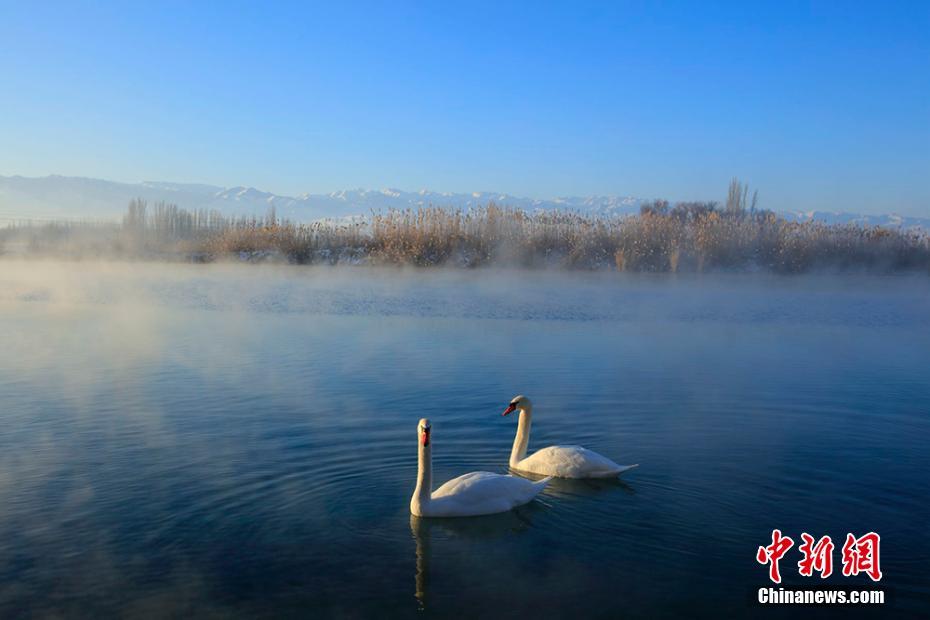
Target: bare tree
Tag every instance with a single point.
(738, 199)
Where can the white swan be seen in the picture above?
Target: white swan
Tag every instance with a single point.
(477, 493)
(558, 461)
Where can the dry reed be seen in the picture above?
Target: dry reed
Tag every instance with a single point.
(687, 237)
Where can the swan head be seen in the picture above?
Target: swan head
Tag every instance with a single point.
(518, 402)
(424, 428)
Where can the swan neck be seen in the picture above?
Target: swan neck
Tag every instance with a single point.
(522, 440)
(423, 491)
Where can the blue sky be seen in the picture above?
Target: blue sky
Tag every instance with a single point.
(817, 104)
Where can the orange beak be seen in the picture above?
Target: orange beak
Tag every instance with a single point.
(509, 409)
(425, 437)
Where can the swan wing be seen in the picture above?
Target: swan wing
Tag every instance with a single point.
(571, 462)
(481, 493)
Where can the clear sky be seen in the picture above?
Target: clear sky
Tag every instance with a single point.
(817, 104)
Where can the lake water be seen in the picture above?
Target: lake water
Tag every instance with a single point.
(241, 440)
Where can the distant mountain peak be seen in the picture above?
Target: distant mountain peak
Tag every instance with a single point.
(75, 198)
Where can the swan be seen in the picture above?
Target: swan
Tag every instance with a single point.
(469, 495)
(556, 461)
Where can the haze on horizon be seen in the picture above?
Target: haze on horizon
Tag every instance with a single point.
(819, 107)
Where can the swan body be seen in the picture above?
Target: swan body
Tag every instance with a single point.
(469, 495)
(570, 462)
(481, 493)
(556, 461)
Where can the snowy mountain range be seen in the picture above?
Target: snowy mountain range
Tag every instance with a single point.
(888, 220)
(74, 198)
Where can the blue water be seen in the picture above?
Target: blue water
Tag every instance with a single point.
(240, 441)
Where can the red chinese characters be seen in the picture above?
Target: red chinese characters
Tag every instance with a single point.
(817, 556)
(860, 555)
(773, 553)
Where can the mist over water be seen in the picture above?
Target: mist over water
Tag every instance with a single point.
(240, 440)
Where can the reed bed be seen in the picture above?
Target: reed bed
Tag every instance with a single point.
(688, 237)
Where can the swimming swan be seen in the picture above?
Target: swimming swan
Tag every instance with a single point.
(477, 493)
(558, 461)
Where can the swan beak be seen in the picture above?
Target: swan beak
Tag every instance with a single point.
(510, 409)
(425, 437)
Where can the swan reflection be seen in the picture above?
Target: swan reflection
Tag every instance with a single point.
(484, 528)
(567, 488)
